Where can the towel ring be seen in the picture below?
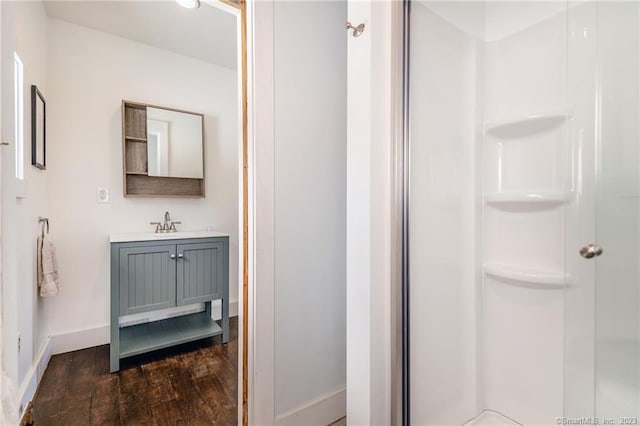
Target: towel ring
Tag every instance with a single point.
(44, 221)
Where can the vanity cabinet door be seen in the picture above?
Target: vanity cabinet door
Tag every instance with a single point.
(201, 270)
(147, 278)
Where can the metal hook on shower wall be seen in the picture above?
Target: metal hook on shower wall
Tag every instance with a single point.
(356, 30)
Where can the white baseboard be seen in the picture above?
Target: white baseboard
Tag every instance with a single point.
(30, 384)
(80, 339)
(216, 309)
(101, 335)
(318, 412)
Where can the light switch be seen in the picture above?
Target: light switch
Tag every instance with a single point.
(102, 195)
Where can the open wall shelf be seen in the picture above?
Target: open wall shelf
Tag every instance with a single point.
(527, 277)
(136, 179)
(135, 139)
(526, 125)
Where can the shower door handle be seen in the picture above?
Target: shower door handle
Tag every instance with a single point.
(591, 250)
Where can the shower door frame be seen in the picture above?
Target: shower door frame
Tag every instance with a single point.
(404, 192)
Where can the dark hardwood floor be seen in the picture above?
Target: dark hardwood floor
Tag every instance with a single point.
(191, 384)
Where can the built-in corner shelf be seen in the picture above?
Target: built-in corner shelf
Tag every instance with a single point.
(534, 198)
(527, 277)
(526, 125)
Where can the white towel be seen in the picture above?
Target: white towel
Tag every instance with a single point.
(47, 267)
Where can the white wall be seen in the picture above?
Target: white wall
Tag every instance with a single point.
(90, 73)
(24, 31)
(33, 50)
(374, 76)
(310, 205)
(359, 311)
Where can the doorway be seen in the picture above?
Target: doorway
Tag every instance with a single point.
(39, 328)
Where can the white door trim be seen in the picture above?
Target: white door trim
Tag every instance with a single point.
(373, 212)
(261, 149)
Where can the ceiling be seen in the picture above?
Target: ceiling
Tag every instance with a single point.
(206, 33)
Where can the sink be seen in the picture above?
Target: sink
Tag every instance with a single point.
(169, 235)
(150, 236)
(186, 234)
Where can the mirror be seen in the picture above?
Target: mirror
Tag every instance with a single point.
(175, 143)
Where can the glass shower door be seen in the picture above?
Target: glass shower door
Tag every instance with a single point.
(524, 212)
(617, 273)
(602, 308)
(489, 190)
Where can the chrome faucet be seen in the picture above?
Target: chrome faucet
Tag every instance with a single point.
(167, 226)
(167, 218)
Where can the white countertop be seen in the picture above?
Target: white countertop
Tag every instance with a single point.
(152, 236)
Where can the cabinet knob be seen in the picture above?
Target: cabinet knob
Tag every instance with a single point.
(180, 256)
(172, 256)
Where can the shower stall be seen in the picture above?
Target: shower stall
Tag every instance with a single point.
(522, 229)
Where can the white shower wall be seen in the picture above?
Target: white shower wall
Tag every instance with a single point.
(522, 327)
(524, 130)
(443, 216)
(485, 341)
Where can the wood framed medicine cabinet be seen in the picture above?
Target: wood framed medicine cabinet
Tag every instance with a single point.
(138, 180)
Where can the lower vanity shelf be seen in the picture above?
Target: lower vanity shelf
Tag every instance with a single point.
(142, 338)
(151, 273)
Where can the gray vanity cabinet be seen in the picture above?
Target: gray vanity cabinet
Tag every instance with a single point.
(147, 278)
(151, 275)
(200, 272)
